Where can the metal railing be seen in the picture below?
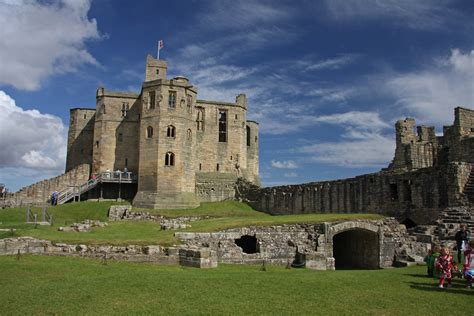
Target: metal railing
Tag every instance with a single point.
(105, 177)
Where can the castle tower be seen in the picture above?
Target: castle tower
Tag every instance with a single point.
(167, 141)
(80, 137)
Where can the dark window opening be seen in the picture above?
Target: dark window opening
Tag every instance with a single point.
(248, 136)
(200, 167)
(222, 126)
(169, 159)
(248, 244)
(126, 162)
(157, 71)
(236, 117)
(407, 191)
(85, 116)
(97, 144)
(393, 192)
(172, 99)
(217, 167)
(152, 99)
(125, 109)
(256, 138)
(371, 180)
(472, 130)
(120, 137)
(149, 132)
(190, 134)
(170, 132)
(409, 223)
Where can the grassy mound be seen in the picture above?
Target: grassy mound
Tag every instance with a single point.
(223, 215)
(72, 286)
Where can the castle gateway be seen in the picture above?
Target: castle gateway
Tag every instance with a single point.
(180, 150)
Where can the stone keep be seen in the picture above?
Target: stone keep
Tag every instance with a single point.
(174, 142)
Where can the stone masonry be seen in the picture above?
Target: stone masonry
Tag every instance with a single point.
(170, 138)
(428, 174)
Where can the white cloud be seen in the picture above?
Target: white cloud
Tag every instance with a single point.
(332, 63)
(362, 144)
(290, 175)
(419, 14)
(371, 151)
(431, 94)
(237, 14)
(285, 164)
(30, 139)
(40, 39)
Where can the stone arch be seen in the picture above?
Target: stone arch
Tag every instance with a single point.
(355, 245)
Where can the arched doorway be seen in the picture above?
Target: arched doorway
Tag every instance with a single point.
(356, 249)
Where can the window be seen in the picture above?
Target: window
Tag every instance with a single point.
(200, 119)
(126, 162)
(200, 167)
(248, 136)
(152, 100)
(190, 103)
(124, 109)
(158, 71)
(236, 117)
(217, 167)
(190, 134)
(169, 159)
(97, 144)
(120, 137)
(393, 192)
(149, 132)
(222, 126)
(85, 116)
(170, 131)
(102, 109)
(172, 99)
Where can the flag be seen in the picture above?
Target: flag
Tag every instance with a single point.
(160, 46)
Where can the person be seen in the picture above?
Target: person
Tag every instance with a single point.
(429, 259)
(54, 198)
(446, 266)
(434, 258)
(461, 237)
(468, 268)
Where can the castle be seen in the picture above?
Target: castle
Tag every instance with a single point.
(182, 150)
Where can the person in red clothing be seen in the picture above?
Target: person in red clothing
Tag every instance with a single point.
(446, 266)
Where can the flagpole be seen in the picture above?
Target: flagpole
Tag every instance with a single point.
(158, 55)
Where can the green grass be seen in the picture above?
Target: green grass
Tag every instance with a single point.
(72, 286)
(223, 215)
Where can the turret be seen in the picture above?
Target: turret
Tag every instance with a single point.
(155, 69)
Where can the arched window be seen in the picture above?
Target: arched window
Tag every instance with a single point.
(102, 109)
(170, 131)
(190, 135)
(200, 119)
(169, 159)
(149, 132)
(248, 135)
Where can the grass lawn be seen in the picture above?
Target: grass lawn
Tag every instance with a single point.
(59, 285)
(223, 215)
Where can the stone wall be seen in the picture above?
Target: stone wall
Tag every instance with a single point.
(40, 192)
(215, 186)
(379, 243)
(199, 258)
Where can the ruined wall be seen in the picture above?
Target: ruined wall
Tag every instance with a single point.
(315, 243)
(417, 195)
(80, 137)
(40, 192)
(215, 186)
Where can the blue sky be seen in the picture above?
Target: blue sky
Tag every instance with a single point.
(326, 79)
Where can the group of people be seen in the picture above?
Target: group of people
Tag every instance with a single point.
(441, 264)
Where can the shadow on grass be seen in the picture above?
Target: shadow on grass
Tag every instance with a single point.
(458, 288)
